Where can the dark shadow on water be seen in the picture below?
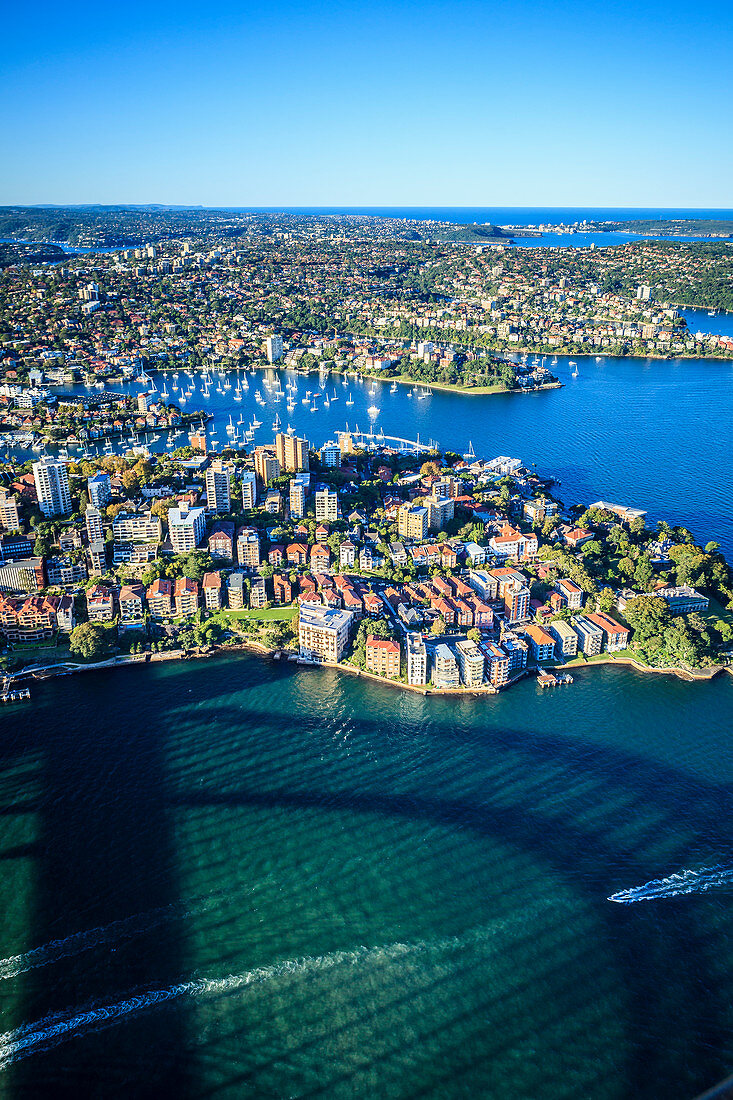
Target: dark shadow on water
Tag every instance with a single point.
(104, 853)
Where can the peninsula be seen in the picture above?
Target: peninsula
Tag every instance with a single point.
(436, 571)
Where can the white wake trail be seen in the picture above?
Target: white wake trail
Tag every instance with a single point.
(77, 942)
(32, 1038)
(683, 882)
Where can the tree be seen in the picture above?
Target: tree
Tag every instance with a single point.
(643, 574)
(438, 627)
(89, 640)
(647, 616)
(474, 634)
(606, 599)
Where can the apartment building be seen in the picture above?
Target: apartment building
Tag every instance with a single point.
(412, 522)
(52, 486)
(417, 660)
(347, 555)
(23, 575)
(512, 543)
(131, 607)
(221, 541)
(327, 505)
(516, 601)
(28, 619)
(99, 489)
(219, 487)
(383, 657)
(100, 604)
(471, 662)
(212, 586)
(137, 527)
(497, 663)
(186, 597)
(331, 454)
(267, 466)
(257, 593)
(484, 583)
(248, 547)
(159, 596)
(590, 636)
(186, 526)
(516, 649)
(235, 591)
(274, 348)
(93, 524)
(571, 593)
(291, 452)
(440, 512)
(541, 643)
(615, 636)
(323, 632)
(445, 673)
(9, 518)
(566, 640)
(296, 501)
(249, 490)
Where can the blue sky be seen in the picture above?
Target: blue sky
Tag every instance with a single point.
(508, 103)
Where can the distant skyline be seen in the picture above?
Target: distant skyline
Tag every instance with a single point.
(510, 104)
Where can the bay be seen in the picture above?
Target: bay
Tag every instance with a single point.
(648, 433)
(246, 878)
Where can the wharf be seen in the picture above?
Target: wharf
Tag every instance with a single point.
(553, 679)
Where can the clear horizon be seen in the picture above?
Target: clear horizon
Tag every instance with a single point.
(517, 105)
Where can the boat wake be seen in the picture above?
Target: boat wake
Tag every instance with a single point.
(125, 928)
(684, 882)
(43, 1034)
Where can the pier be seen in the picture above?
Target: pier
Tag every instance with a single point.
(552, 679)
(372, 440)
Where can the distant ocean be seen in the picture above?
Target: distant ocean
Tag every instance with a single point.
(500, 215)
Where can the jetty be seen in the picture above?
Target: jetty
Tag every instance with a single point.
(373, 440)
(552, 679)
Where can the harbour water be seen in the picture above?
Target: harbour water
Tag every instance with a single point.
(236, 877)
(649, 433)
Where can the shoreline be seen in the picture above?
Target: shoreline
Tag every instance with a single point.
(69, 668)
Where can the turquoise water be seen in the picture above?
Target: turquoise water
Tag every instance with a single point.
(236, 877)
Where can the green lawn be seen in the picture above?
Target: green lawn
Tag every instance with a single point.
(717, 611)
(265, 614)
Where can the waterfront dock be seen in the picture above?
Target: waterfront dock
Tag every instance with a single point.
(553, 679)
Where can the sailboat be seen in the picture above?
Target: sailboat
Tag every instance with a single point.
(349, 399)
(575, 365)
